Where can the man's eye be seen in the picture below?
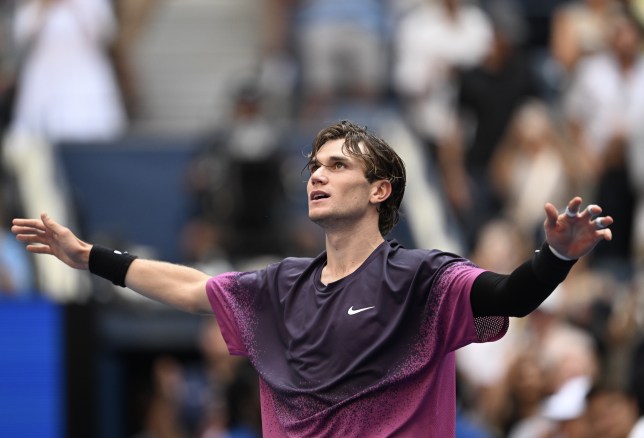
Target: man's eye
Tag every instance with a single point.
(313, 168)
(339, 165)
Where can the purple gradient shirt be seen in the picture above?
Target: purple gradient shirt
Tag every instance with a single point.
(370, 355)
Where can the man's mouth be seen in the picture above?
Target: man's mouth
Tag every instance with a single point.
(317, 195)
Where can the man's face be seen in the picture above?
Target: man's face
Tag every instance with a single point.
(338, 191)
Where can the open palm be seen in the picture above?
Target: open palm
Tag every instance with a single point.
(575, 233)
(45, 236)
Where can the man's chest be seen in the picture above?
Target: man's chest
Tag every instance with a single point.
(351, 333)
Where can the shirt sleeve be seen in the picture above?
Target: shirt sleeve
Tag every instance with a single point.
(459, 324)
(227, 299)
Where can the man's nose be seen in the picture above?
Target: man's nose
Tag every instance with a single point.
(319, 176)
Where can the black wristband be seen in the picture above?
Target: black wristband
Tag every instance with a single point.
(110, 264)
(549, 268)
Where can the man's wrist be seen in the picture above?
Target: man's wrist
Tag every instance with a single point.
(79, 257)
(558, 254)
(550, 268)
(110, 264)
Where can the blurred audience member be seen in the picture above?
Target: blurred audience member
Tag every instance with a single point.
(566, 351)
(251, 135)
(229, 378)
(565, 408)
(67, 92)
(580, 28)
(613, 413)
(131, 16)
(525, 391)
(7, 66)
(467, 423)
(583, 299)
(500, 246)
(621, 333)
(202, 248)
(339, 47)
(162, 418)
(218, 397)
(532, 165)
(237, 178)
(431, 43)
(603, 107)
(67, 85)
(484, 367)
(488, 96)
(568, 364)
(635, 166)
(636, 374)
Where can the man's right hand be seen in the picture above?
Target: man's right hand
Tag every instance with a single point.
(46, 236)
(178, 286)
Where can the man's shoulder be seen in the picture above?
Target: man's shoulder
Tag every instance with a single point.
(435, 257)
(292, 266)
(294, 262)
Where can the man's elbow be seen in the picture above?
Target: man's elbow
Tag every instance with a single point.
(194, 300)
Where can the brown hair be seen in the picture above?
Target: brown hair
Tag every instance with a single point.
(380, 162)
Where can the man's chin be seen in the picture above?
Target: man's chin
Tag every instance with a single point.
(320, 218)
(316, 218)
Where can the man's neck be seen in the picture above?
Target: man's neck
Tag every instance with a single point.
(346, 251)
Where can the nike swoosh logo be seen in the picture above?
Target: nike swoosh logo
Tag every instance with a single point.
(353, 312)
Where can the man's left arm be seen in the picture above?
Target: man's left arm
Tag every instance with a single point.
(569, 236)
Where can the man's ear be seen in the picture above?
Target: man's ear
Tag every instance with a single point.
(381, 190)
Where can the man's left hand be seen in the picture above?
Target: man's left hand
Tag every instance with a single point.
(574, 233)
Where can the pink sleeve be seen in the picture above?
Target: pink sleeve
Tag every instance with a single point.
(221, 294)
(461, 327)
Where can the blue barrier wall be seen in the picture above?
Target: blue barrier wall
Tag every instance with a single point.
(32, 394)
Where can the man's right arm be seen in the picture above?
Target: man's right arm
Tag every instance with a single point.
(178, 286)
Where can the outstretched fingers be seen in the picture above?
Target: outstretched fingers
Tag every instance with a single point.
(24, 225)
(38, 237)
(39, 249)
(33, 232)
(574, 213)
(591, 212)
(19, 231)
(570, 214)
(551, 215)
(46, 236)
(33, 238)
(591, 215)
(572, 209)
(575, 231)
(49, 223)
(602, 224)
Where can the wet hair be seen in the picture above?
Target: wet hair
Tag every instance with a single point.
(380, 162)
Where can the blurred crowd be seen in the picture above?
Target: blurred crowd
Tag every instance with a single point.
(497, 106)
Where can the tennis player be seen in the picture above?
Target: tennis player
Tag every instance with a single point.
(359, 341)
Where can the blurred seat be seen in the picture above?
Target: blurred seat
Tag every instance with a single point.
(132, 191)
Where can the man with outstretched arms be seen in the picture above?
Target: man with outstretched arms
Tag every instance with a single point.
(360, 340)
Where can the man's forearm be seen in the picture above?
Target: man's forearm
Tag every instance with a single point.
(523, 290)
(178, 286)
